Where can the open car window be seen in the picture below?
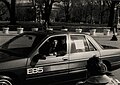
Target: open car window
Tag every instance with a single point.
(54, 46)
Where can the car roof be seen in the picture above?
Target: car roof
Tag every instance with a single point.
(52, 32)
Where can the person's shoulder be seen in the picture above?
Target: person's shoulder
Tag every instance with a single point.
(101, 79)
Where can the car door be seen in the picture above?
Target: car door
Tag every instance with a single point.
(81, 50)
(54, 66)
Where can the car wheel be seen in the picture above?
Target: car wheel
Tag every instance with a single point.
(5, 82)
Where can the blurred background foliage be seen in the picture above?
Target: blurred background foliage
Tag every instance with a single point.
(80, 11)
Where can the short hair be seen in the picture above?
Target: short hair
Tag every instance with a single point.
(95, 66)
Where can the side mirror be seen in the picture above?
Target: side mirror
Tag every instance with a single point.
(36, 58)
(42, 57)
(39, 56)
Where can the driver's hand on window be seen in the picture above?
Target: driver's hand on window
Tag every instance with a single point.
(53, 54)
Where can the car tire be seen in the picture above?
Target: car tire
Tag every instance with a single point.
(5, 82)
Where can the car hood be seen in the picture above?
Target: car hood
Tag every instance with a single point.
(11, 61)
(5, 56)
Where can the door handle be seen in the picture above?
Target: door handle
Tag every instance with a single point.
(65, 59)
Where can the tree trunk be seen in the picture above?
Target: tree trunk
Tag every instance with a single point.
(47, 9)
(7, 4)
(12, 12)
(112, 15)
(67, 16)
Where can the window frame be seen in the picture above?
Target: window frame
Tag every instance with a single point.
(88, 42)
(96, 45)
(52, 36)
(85, 41)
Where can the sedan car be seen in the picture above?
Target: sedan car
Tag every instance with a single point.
(51, 57)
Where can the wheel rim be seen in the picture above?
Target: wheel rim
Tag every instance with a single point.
(5, 82)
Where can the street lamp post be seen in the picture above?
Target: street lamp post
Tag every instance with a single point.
(114, 38)
(118, 18)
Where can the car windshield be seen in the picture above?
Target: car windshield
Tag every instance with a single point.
(22, 45)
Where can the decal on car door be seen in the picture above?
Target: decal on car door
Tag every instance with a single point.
(34, 70)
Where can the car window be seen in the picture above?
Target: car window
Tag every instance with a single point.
(23, 44)
(91, 46)
(78, 44)
(54, 46)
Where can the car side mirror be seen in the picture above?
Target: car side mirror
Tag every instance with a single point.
(42, 57)
(39, 56)
(36, 58)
